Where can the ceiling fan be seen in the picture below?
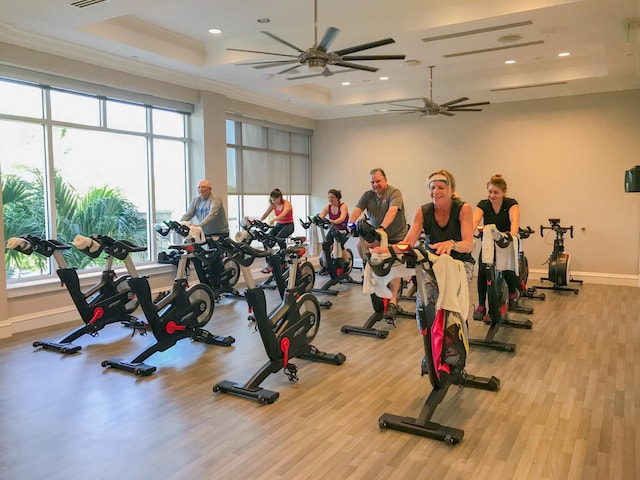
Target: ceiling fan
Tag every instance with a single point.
(317, 58)
(431, 108)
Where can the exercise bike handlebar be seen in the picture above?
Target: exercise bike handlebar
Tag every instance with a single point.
(525, 232)
(555, 226)
(502, 239)
(326, 224)
(27, 244)
(119, 249)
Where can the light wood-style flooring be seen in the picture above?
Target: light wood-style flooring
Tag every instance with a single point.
(568, 407)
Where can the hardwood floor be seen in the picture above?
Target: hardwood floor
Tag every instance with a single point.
(568, 407)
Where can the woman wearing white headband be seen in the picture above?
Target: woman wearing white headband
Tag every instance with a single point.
(447, 223)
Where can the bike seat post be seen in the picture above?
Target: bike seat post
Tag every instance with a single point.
(59, 259)
(109, 264)
(293, 271)
(182, 265)
(131, 268)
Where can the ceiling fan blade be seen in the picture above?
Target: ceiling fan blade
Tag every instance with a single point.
(465, 109)
(373, 57)
(290, 69)
(448, 114)
(477, 104)
(364, 46)
(326, 73)
(328, 38)
(355, 66)
(401, 111)
(259, 65)
(405, 106)
(457, 100)
(392, 101)
(265, 53)
(284, 42)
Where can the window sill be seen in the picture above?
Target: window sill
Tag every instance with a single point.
(41, 286)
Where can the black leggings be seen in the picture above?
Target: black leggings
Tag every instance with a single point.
(282, 230)
(509, 277)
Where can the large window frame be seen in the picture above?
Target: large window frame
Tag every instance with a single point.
(262, 156)
(156, 128)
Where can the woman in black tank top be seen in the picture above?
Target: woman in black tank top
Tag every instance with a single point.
(447, 223)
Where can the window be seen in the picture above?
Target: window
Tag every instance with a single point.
(261, 157)
(75, 163)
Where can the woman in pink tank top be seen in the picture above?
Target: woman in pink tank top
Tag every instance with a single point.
(338, 213)
(282, 221)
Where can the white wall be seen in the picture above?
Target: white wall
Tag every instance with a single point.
(562, 157)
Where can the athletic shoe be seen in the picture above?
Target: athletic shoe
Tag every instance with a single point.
(479, 313)
(266, 269)
(391, 312)
(513, 301)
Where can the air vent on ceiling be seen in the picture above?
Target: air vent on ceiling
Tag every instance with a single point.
(533, 85)
(478, 30)
(493, 49)
(86, 3)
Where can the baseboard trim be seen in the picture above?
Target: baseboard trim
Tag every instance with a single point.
(592, 278)
(44, 319)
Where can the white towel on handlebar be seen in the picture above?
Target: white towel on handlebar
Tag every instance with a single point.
(505, 258)
(195, 233)
(314, 242)
(372, 283)
(453, 290)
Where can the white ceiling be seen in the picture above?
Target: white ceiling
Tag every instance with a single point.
(169, 40)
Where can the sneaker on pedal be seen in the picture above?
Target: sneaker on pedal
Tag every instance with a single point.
(266, 269)
(513, 301)
(479, 313)
(391, 312)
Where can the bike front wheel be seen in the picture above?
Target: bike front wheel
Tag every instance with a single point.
(201, 297)
(309, 310)
(307, 274)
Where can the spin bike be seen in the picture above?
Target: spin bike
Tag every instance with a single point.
(339, 269)
(277, 260)
(109, 300)
(286, 332)
(181, 313)
(444, 357)
(498, 297)
(369, 234)
(212, 266)
(559, 261)
(523, 269)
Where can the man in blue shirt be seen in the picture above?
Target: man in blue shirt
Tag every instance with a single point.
(208, 211)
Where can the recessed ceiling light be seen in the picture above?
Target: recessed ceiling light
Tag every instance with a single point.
(215, 31)
(384, 78)
(509, 62)
(564, 54)
(263, 20)
(345, 83)
(510, 38)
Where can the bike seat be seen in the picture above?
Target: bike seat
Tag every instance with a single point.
(297, 250)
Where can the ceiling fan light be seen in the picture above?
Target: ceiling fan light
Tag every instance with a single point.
(316, 65)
